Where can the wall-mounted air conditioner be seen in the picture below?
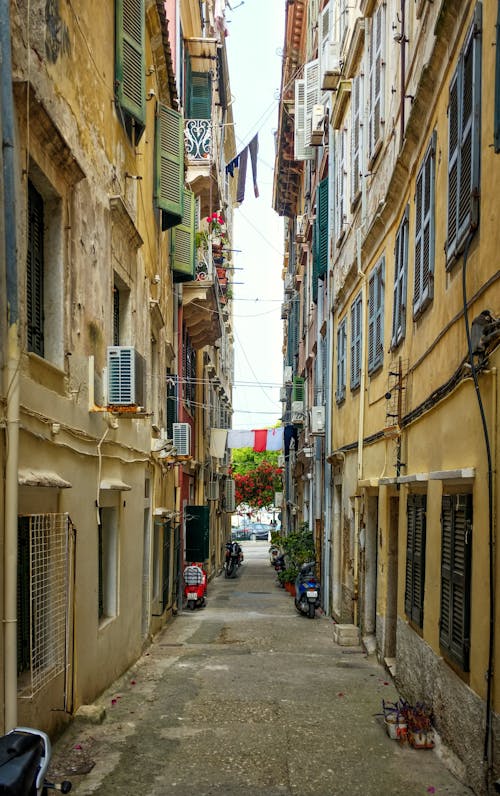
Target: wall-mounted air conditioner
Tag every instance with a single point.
(213, 490)
(317, 425)
(126, 369)
(287, 374)
(182, 438)
(285, 309)
(230, 495)
(298, 416)
(288, 284)
(299, 229)
(317, 125)
(331, 66)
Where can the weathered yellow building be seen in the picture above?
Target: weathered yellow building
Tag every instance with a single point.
(99, 239)
(411, 137)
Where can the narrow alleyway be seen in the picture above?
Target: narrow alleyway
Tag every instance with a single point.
(246, 697)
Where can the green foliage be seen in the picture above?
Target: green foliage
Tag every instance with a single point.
(246, 459)
(299, 546)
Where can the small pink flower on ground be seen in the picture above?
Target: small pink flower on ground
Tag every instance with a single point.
(431, 789)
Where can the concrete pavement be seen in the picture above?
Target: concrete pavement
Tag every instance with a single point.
(246, 697)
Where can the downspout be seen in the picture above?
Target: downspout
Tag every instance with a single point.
(12, 377)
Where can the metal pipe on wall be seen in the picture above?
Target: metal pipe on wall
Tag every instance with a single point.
(12, 376)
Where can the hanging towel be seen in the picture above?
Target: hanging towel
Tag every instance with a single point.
(218, 437)
(274, 439)
(253, 148)
(242, 175)
(234, 164)
(240, 439)
(260, 440)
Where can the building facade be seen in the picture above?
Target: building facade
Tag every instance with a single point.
(116, 346)
(401, 100)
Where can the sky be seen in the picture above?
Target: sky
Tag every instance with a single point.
(254, 46)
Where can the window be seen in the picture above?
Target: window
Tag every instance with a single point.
(130, 68)
(340, 183)
(400, 271)
(320, 254)
(415, 558)
(423, 289)
(121, 312)
(376, 317)
(464, 114)
(356, 340)
(189, 374)
(169, 166)
(108, 562)
(171, 403)
(376, 80)
(198, 99)
(44, 270)
(456, 548)
(183, 262)
(341, 361)
(356, 138)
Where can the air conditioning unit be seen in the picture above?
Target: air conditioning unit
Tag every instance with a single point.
(287, 374)
(331, 66)
(126, 369)
(317, 425)
(283, 394)
(182, 438)
(213, 490)
(230, 495)
(299, 233)
(298, 416)
(285, 309)
(288, 284)
(317, 125)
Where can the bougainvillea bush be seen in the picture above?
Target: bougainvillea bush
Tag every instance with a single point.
(256, 487)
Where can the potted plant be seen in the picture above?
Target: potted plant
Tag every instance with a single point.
(288, 576)
(420, 730)
(395, 720)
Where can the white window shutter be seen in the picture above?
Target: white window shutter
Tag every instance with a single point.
(300, 151)
(311, 80)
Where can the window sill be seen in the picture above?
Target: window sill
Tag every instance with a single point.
(46, 373)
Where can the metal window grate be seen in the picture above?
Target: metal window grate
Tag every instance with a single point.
(50, 557)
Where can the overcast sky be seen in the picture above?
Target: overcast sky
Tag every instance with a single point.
(254, 44)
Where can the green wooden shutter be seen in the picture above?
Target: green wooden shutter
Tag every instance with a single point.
(197, 533)
(456, 547)
(322, 217)
(130, 69)
(35, 271)
(169, 172)
(298, 389)
(183, 264)
(415, 558)
(200, 96)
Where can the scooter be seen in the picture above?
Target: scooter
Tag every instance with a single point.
(273, 554)
(234, 559)
(307, 590)
(24, 760)
(280, 566)
(195, 585)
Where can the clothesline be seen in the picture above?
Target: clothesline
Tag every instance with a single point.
(265, 439)
(240, 162)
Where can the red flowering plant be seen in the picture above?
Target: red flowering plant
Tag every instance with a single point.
(256, 487)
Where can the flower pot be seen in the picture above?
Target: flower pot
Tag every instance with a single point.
(290, 587)
(423, 739)
(396, 729)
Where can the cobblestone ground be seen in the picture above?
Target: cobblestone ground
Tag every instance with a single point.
(246, 697)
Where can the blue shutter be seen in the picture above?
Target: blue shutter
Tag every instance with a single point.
(356, 340)
(200, 96)
(456, 547)
(424, 231)
(376, 317)
(341, 360)
(415, 558)
(464, 114)
(400, 269)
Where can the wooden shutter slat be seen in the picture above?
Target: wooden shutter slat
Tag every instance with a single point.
(130, 57)
(183, 264)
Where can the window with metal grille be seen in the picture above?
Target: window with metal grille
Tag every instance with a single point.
(341, 361)
(356, 340)
(376, 317)
(400, 274)
(189, 375)
(130, 67)
(35, 271)
(456, 553)
(464, 117)
(45, 566)
(415, 558)
(423, 288)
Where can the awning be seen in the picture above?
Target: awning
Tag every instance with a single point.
(114, 484)
(45, 478)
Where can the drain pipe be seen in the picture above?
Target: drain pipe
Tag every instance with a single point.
(12, 379)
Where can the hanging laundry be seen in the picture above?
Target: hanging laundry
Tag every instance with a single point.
(260, 440)
(234, 164)
(274, 439)
(253, 149)
(240, 439)
(218, 437)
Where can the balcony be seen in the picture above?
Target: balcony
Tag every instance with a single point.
(198, 141)
(204, 298)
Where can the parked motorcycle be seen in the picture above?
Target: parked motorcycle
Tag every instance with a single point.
(280, 566)
(307, 590)
(234, 559)
(24, 760)
(273, 554)
(195, 585)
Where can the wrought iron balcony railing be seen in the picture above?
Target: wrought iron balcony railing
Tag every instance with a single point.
(198, 140)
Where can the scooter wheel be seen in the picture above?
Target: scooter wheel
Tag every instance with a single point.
(312, 611)
(192, 604)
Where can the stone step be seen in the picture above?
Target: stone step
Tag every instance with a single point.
(346, 635)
